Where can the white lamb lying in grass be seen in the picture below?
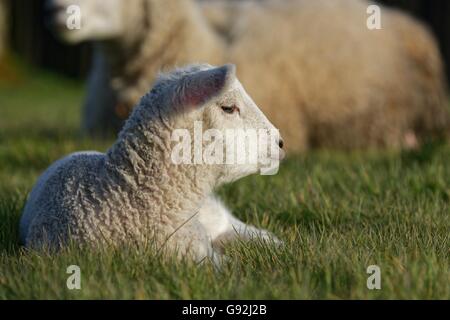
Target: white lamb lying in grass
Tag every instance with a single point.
(135, 192)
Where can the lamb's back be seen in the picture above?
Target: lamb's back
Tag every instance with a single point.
(54, 201)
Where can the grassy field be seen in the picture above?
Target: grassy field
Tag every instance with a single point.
(337, 213)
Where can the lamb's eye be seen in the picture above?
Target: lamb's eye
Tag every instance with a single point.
(230, 109)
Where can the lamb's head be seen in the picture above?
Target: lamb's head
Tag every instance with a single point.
(82, 20)
(216, 125)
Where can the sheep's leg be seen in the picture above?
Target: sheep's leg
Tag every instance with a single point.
(99, 117)
(191, 240)
(222, 227)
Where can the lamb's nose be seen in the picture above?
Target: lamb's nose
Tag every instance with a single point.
(281, 143)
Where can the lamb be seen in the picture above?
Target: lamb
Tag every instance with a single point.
(135, 193)
(314, 67)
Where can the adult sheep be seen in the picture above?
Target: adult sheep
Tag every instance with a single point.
(131, 194)
(314, 67)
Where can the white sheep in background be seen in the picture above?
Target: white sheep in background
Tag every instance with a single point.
(131, 47)
(135, 192)
(314, 67)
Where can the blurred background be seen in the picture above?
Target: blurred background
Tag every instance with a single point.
(28, 38)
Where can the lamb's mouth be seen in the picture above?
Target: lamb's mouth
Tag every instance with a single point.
(273, 158)
(281, 155)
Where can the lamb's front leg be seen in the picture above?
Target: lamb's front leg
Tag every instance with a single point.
(191, 240)
(222, 227)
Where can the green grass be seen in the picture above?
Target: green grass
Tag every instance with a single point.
(337, 214)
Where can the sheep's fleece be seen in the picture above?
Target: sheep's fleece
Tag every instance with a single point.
(134, 193)
(313, 66)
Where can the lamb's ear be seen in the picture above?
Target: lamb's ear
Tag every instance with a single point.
(198, 88)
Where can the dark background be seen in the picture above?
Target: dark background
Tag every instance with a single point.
(33, 42)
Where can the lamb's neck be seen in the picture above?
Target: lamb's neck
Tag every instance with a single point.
(140, 163)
